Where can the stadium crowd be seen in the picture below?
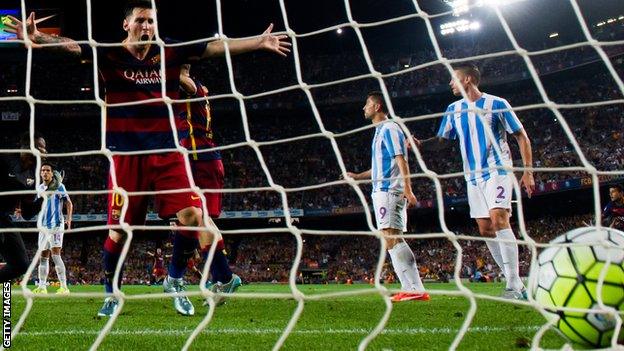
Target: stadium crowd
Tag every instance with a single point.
(312, 161)
(341, 258)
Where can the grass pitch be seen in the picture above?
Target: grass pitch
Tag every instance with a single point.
(70, 323)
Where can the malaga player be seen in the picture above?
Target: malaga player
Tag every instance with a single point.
(130, 73)
(53, 224)
(392, 192)
(489, 189)
(196, 134)
(17, 173)
(613, 213)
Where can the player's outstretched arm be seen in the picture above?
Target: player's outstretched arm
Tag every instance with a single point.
(526, 152)
(405, 174)
(359, 176)
(432, 144)
(37, 37)
(267, 41)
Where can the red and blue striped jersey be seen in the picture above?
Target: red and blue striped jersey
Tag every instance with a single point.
(126, 79)
(195, 130)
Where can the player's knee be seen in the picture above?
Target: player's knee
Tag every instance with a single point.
(190, 216)
(487, 232)
(500, 223)
(45, 254)
(117, 236)
(500, 219)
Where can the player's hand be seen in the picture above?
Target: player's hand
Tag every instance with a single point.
(68, 223)
(411, 198)
(350, 174)
(417, 142)
(528, 183)
(15, 26)
(274, 43)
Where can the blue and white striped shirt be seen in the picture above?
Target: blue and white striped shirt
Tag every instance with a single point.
(389, 142)
(52, 208)
(476, 147)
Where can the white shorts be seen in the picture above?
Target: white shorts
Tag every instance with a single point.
(495, 192)
(51, 238)
(390, 210)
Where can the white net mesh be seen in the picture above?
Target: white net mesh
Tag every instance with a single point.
(382, 81)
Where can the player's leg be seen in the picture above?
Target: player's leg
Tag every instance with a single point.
(129, 171)
(404, 264)
(486, 229)
(171, 174)
(184, 244)
(210, 175)
(13, 251)
(478, 202)
(498, 194)
(509, 250)
(111, 252)
(391, 219)
(224, 281)
(59, 265)
(44, 262)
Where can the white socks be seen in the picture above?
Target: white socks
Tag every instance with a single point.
(509, 254)
(404, 264)
(495, 250)
(59, 266)
(44, 269)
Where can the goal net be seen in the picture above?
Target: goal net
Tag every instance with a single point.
(290, 166)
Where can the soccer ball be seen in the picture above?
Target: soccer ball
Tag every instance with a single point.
(568, 277)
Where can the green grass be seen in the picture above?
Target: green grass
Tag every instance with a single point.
(341, 323)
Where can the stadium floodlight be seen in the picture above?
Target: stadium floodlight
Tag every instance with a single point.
(600, 24)
(463, 6)
(553, 35)
(459, 26)
(339, 30)
(496, 2)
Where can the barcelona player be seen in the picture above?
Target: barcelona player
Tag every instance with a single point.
(196, 135)
(131, 73)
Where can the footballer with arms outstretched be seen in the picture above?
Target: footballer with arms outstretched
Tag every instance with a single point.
(132, 72)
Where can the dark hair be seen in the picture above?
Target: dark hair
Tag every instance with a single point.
(471, 70)
(617, 187)
(24, 141)
(378, 97)
(47, 163)
(136, 4)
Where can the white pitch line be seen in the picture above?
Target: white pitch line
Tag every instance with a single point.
(234, 331)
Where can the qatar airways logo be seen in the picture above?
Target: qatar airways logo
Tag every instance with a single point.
(143, 76)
